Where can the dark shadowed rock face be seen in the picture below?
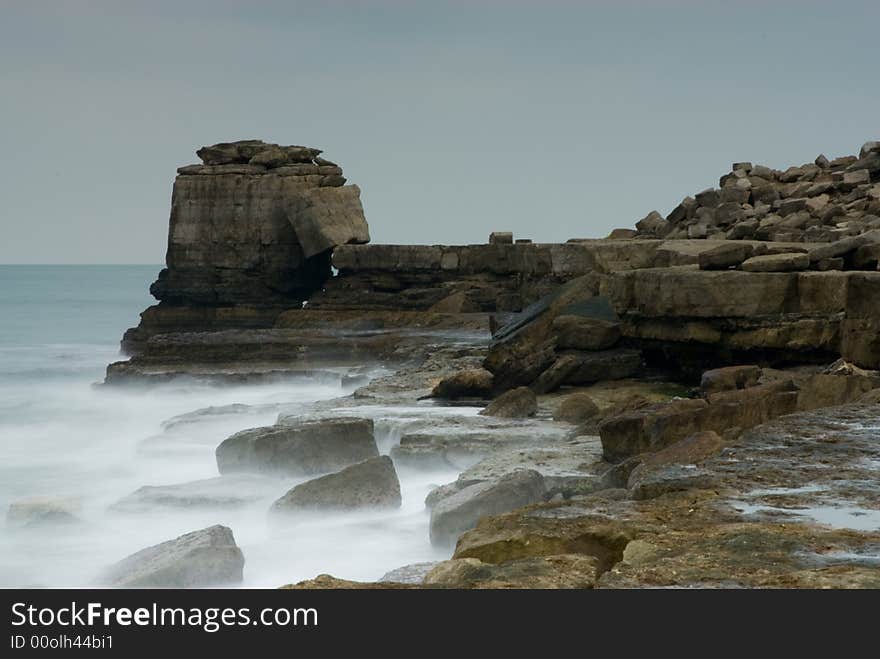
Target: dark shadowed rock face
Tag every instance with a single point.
(312, 447)
(202, 558)
(369, 484)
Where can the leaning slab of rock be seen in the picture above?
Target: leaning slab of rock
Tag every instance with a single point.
(514, 404)
(306, 448)
(777, 263)
(369, 484)
(327, 217)
(460, 512)
(207, 557)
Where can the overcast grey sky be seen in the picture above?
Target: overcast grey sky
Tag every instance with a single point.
(553, 119)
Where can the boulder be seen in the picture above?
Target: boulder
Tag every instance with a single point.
(472, 382)
(868, 148)
(514, 404)
(584, 333)
(576, 408)
(776, 263)
(725, 256)
(222, 492)
(324, 218)
(306, 448)
(622, 234)
(208, 557)
(729, 377)
(501, 238)
(654, 224)
(34, 511)
(460, 512)
(369, 484)
(649, 483)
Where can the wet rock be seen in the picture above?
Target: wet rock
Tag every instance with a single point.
(560, 571)
(369, 484)
(410, 574)
(223, 492)
(729, 377)
(453, 515)
(655, 427)
(207, 557)
(514, 404)
(650, 482)
(310, 447)
(576, 408)
(39, 511)
(473, 382)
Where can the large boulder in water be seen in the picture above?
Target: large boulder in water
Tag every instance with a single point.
(369, 484)
(302, 449)
(452, 516)
(207, 557)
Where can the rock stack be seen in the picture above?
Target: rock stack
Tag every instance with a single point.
(822, 201)
(251, 232)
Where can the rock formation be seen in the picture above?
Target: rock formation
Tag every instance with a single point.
(208, 557)
(675, 361)
(822, 201)
(250, 235)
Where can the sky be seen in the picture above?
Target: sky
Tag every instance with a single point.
(553, 119)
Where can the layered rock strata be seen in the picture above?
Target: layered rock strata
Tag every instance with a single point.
(250, 235)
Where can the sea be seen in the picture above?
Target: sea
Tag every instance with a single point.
(72, 445)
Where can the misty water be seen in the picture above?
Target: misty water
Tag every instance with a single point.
(63, 437)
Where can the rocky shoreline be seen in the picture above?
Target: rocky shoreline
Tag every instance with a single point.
(686, 404)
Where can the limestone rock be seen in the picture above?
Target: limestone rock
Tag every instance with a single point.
(208, 557)
(501, 238)
(327, 217)
(585, 333)
(776, 263)
(725, 256)
(576, 408)
(369, 484)
(310, 447)
(559, 571)
(729, 377)
(473, 382)
(453, 515)
(39, 511)
(514, 404)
